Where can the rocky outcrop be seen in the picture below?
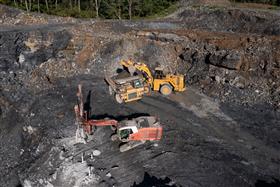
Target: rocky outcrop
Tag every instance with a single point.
(11, 16)
(26, 50)
(231, 20)
(238, 68)
(220, 72)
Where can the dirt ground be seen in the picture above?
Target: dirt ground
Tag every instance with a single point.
(205, 143)
(222, 131)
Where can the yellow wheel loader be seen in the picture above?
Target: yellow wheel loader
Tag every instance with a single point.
(165, 84)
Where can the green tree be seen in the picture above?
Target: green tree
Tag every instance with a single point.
(108, 9)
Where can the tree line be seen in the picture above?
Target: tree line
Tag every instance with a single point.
(109, 9)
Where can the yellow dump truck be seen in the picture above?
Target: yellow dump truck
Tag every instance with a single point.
(126, 89)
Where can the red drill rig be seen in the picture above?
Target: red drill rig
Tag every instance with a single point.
(132, 132)
(82, 118)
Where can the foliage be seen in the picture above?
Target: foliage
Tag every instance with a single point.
(107, 9)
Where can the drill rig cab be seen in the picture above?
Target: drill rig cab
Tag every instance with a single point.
(137, 131)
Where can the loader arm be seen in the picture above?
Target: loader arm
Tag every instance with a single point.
(143, 68)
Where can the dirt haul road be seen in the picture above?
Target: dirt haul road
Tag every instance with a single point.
(204, 143)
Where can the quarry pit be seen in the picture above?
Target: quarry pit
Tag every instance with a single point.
(222, 131)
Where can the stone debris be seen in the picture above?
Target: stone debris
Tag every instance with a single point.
(29, 129)
(96, 152)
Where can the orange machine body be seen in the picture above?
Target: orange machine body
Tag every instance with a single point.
(151, 133)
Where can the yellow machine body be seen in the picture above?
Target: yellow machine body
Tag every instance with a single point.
(159, 82)
(176, 81)
(129, 93)
(127, 89)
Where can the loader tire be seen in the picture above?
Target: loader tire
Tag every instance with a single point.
(166, 89)
(118, 98)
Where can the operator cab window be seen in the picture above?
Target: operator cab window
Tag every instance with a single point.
(138, 84)
(159, 74)
(125, 133)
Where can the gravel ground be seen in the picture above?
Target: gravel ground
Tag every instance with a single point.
(204, 142)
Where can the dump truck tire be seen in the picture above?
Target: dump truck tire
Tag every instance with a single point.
(166, 89)
(118, 98)
(147, 90)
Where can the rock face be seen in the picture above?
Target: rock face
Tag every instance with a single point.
(237, 49)
(10, 17)
(231, 21)
(26, 50)
(22, 52)
(252, 67)
(233, 67)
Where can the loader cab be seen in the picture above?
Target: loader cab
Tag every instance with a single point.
(159, 73)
